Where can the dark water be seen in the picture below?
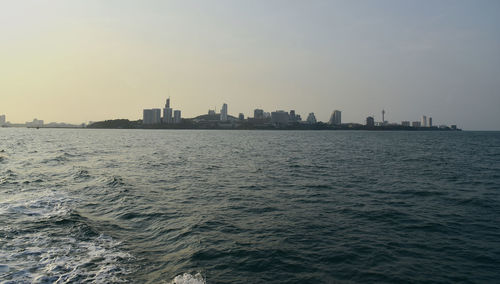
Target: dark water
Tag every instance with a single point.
(249, 207)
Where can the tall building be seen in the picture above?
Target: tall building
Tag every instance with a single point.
(156, 116)
(2, 119)
(167, 115)
(177, 116)
(383, 116)
(241, 116)
(293, 117)
(335, 118)
(416, 124)
(151, 116)
(405, 123)
(258, 114)
(430, 121)
(223, 113)
(280, 117)
(311, 118)
(211, 112)
(147, 116)
(370, 121)
(424, 121)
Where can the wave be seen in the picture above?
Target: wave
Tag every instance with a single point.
(42, 258)
(187, 278)
(47, 241)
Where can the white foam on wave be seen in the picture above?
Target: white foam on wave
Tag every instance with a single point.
(45, 206)
(47, 256)
(42, 258)
(187, 278)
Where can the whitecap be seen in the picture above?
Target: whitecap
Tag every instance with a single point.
(187, 278)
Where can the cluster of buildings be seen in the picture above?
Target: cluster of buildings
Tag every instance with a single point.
(37, 123)
(278, 119)
(153, 116)
(424, 122)
(34, 123)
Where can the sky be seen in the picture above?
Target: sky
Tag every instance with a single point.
(79, 61)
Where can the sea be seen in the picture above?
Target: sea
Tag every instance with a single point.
(235, 206)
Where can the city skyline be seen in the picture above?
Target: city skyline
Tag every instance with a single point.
(168, 115)
(80, 61)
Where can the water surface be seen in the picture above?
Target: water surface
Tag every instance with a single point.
(145, 206)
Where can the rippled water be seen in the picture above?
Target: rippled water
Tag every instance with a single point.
(248, 206)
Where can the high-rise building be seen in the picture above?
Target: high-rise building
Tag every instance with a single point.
(177, 116)
(280, 117)
(311, 118)
(147, 116)
(293, 117)
(405, 123)
(258, 114)
(416, 124)
(335, 118)
(430, 121)
(223, 113)
(211, 112)
(370, 121)
(424, 121)
(241, 116)
(156, 116)
(2, 119)
(167, 115)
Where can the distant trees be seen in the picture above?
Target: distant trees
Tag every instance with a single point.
(116, 123)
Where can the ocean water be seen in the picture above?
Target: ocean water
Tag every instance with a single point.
(179, 206)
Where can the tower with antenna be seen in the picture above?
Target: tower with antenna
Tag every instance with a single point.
(167, 112)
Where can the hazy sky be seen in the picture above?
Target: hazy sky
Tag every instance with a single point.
(76, 61)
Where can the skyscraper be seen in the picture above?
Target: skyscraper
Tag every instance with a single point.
(167, 113)
(430, 121)
(293, 117)
(2, 119)
(280, 117)
(335, 118)
(177, 116)
(223, 113)
(370, 121)
(147, 116)
(424, 121)
(156, 116)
